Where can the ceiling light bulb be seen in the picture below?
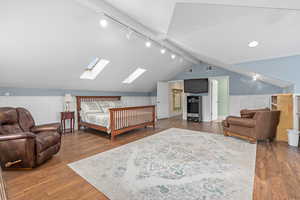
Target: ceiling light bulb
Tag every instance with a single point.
(253, 44)
(129, 34)
(148, 44)
(103, 23)
(173, 56)
(255, 76)
(163, 51)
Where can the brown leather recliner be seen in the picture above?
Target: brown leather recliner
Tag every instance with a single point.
(253, 125)
(22, 144)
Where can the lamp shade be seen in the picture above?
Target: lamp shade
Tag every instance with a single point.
(68, 98)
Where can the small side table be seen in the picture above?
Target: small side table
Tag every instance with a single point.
(67, 116)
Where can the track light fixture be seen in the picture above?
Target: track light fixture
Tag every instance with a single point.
(255, 77)
(106, 18)
(148, 43)
(129, 33)
(103, 21)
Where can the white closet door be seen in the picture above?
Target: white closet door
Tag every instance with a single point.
(162, 100)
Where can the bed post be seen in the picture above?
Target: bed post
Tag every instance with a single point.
(112, 125)
(153, 116)
(78, 108)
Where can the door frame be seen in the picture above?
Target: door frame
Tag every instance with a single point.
(158, 101)
(228, 96)
(211, 82)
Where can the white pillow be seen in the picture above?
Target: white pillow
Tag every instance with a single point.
(91, 107)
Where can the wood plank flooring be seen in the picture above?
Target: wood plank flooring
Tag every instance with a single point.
(277, 167)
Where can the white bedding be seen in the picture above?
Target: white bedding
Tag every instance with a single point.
(97, 113)
(101, 119)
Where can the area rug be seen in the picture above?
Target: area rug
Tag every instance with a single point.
(174, 164)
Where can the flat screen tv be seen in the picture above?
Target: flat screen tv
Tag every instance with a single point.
(196, 86)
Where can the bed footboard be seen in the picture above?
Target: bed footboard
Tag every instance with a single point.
(129, 118)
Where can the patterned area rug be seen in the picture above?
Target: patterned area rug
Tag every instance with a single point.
(174, 164)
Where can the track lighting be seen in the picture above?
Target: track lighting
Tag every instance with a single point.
(148, 44)
(129, 33)
(103, 21)
(255, 77)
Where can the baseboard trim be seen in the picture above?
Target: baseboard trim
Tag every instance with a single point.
(2, 187)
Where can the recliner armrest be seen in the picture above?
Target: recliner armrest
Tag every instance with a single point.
(47, 127)
(245, 122)
(24, 135)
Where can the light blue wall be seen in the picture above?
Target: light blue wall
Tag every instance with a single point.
(238, 84)
(61, 92)
(285, 68)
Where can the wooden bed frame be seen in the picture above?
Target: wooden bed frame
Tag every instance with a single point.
(121, 119)
(2, 187)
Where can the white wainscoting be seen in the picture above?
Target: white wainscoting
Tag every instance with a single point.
(238, 103)
(46, 109)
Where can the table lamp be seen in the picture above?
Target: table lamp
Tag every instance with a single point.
(68, 100)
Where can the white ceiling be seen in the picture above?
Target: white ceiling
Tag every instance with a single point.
(157, 14)
(218, 31)
(48, 44)
(223, 32)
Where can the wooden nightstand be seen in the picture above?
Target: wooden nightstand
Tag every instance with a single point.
(67, 116)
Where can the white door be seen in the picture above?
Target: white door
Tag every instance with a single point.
(214, 99)
(162, 100)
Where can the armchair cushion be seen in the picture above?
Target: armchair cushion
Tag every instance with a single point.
(245, 122)
(26, 121)
(245, 113)
(46, 127)
(46, 139)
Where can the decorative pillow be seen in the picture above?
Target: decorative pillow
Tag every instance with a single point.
(91, 107)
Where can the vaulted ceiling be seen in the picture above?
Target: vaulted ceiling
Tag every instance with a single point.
(48, 44)
(218, 31)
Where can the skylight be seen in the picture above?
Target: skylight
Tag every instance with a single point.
(138, 72)
(94, 69)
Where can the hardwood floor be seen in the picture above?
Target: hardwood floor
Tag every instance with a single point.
(277, 167)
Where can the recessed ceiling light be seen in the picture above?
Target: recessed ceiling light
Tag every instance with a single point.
(173, 56)
(138, 72)
(163, 51)
(253, 44)
(148, 44)
(103, 23)
(94, 68)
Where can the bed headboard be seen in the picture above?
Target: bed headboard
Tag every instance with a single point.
(80, 99)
